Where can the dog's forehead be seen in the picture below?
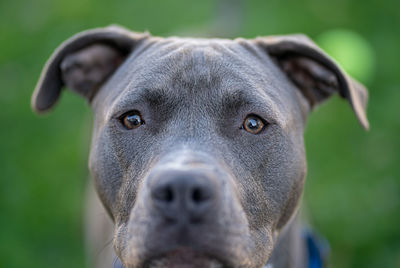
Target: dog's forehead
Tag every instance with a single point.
(196, 61)
(191, 62)
(202, 69)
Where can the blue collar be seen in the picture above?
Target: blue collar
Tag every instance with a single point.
(317, 249)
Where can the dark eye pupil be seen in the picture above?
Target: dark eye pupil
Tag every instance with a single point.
(134, 120)
(253, 123)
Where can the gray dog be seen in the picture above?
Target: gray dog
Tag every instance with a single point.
(197, 152)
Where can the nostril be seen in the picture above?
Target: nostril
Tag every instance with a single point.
(164, 194)
(169, 194)
(199, 195)
(196, 195)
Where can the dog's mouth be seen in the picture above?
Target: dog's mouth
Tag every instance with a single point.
(185, 258)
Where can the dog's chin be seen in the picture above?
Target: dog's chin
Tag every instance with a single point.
(185, 258)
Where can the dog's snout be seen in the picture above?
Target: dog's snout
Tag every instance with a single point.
(183, 195)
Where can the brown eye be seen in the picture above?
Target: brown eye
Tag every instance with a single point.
(253, 124)
(132, 120)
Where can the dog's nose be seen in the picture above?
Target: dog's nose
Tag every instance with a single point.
(183, 196)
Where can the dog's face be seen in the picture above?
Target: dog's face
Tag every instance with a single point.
(212, 158)
(197, 150)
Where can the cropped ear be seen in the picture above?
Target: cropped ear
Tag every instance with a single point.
(315, 74)
(83, 63)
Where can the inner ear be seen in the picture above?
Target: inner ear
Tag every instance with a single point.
(315, 81)
(85, 70)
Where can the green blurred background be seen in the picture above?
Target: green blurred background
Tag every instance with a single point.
(352, 193)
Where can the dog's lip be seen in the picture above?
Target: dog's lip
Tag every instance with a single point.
(185, 257)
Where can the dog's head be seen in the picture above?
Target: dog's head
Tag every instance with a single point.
(197, 151)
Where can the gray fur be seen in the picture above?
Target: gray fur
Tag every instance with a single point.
(194, 95)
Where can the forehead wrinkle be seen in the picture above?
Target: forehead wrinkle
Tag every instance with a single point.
(154, 97)
(180, 65)
(247, 85)
(260, 86)
(250, 97)
(252, 67)
(197, 67)
(147, 82)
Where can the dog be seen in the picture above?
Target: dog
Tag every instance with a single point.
(197, 152)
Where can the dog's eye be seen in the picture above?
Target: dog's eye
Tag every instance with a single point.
(132, 120)
(253, 124)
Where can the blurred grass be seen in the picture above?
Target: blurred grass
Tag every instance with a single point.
(353, 187)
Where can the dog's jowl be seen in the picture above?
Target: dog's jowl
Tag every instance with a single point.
(197, 151)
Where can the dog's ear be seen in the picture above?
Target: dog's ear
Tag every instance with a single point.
(315, 74)
(83, 63)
